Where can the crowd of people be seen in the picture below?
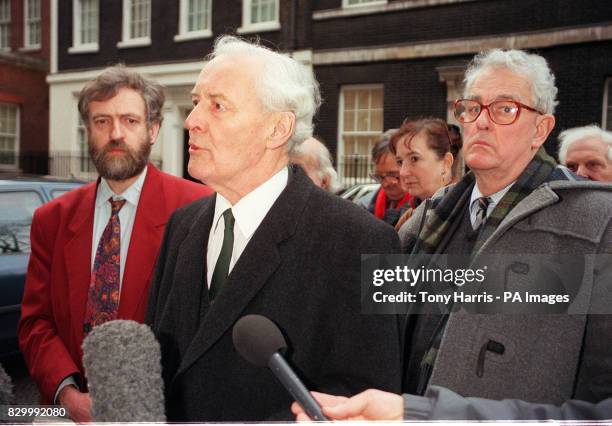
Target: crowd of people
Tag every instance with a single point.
(265, 234)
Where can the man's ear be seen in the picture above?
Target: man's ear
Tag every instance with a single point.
(284, 124)
(544, 125)
(154, 132)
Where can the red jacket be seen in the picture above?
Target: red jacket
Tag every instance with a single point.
(59, 269)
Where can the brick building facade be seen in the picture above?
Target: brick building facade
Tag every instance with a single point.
(377, 61)
(24, 93)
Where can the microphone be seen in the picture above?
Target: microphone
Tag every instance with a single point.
(259, 341)
(6, 396)
(123, 369)
(6, 388)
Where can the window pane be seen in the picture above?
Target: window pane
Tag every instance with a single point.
(89, 21)
(8, 134)
(197, 15)
(263, 11)
(5, 24)
(32, 30)
(362, 127)
(140, 16)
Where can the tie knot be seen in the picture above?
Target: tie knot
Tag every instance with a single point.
(228, 217)
(483, 203)
(116, 205)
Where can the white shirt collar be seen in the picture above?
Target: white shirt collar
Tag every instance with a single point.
(250, 211)
(131, 195)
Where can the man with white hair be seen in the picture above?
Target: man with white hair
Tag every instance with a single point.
(587, 151)
(515, 201)
(267, 243)
(315, 159)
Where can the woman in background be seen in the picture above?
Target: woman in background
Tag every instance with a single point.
(427, 152)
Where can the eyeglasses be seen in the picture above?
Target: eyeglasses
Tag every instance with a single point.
(381, 178)
(501, 112)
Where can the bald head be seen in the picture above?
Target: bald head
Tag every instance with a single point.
(315, 159)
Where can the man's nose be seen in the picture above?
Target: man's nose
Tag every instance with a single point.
(583, 171)
(117, 132)
(484, 119)
(195, 120)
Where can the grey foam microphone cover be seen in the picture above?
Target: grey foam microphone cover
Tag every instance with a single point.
(123, 369)
(6, 388)
(257, 338)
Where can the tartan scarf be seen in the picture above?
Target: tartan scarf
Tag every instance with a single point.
(450, 207)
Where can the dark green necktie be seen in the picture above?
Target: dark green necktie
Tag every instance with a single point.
(221, 271)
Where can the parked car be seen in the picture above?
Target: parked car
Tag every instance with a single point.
(358, 191)
(19, 197)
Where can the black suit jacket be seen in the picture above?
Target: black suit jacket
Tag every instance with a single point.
(301, 269)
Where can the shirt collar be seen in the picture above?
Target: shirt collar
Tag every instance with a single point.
(250, 211)
(494, 198)
(131, 195)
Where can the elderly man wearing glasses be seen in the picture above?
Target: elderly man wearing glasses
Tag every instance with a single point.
(515, 201)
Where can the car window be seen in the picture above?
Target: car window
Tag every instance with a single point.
(16, 210)
(59, 192)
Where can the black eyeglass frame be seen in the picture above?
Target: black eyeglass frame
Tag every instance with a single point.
(518, 104)
(381, 178)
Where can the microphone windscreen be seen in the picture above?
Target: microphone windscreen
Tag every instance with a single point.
(257, 338)
(6, 388)
(123, 369)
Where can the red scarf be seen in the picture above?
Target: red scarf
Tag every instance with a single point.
(381, 203)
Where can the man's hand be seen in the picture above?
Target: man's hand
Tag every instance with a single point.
(77, 404)
(371, 404)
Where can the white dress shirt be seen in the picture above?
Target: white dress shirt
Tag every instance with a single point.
(494, 199)
(102, 214)
(249, 212)
(127, 214)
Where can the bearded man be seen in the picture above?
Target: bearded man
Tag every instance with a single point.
(94, 248)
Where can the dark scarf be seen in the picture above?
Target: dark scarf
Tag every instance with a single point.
(449, 209)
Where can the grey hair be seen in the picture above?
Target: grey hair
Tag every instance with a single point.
(325, 167)
(569, 136)
(107, 84)
(530, 66)
(283, 84)
(383, 146)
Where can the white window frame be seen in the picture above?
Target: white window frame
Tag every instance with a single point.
(27, 45)
(184, 33)
(345, 3)
(15, 165)
(77, 44)
(340, 148)
(7, 21)
(607, 103)
(248, 27)
(126, 41)
(82, 153)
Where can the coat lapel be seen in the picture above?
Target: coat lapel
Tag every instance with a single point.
(542, 197)
(147, 233)
(78, 264)
(256, 265)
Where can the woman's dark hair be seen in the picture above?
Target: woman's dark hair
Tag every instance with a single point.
(441, 138)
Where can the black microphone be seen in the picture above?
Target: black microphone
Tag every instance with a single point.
(259, 341)
(123, 369)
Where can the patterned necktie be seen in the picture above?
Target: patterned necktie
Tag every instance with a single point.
(221, 271)
(481, 214)
(104, 287)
